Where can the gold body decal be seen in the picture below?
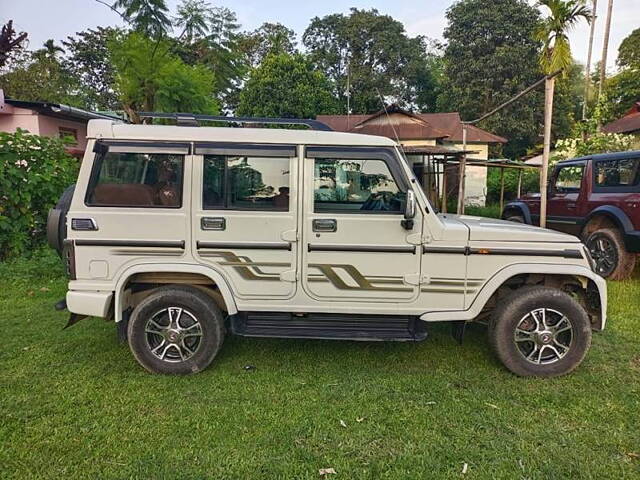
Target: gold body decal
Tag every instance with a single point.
(250, 270)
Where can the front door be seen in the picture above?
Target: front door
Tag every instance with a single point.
(564, 196)
(245, 207)
(354, 245)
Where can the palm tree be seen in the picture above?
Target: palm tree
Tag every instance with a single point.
(555, 56)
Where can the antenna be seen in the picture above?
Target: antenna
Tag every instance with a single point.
(384, 106)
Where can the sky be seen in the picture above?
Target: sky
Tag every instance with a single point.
(44, 19)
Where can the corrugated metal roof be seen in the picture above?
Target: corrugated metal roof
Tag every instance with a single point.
(446, 126)
(627, 124)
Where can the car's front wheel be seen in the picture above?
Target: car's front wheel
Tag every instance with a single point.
(540, 331)
(177, 329)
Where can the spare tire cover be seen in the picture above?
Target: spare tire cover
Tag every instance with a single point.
(57, 220)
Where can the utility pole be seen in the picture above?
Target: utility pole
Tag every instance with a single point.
(605, 47)
(587, 72)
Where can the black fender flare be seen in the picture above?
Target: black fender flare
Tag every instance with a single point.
(520, 206)
(614, 213)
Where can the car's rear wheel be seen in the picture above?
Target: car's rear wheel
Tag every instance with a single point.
(540, 331)
(177, 329)
(611, 259)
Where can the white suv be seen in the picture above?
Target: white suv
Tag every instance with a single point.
(182, 234)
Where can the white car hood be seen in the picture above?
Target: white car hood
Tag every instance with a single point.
(491, 229)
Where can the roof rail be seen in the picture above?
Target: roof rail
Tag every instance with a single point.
(192, 120)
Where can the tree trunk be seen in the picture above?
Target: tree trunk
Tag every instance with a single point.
(549, 85)
(605, 47)
(587, 70)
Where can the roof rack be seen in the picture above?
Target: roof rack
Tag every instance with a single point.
(192, 120)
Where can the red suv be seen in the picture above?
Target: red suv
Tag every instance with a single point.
(598, 199)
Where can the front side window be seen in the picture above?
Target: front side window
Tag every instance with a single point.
(617, 173)
(241, 183)
(355, 186)
(569, 178)
(136, 180)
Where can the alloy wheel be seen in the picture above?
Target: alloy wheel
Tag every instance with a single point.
(543, 336)
(173, 334)
(604, 254)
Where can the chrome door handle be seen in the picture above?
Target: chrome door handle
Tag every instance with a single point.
(213, 223)
(324, 225)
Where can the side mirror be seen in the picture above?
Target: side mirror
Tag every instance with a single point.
(409, 210)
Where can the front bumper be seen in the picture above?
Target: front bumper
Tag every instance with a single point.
(90, 303)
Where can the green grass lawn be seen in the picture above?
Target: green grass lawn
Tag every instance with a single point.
(75, 404)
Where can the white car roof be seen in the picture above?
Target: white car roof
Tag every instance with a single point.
(108, 129)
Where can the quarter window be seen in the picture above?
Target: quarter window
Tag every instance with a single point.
(241, 183)
(617, 173)
(355, 186)
(136, 180)
(569, 178)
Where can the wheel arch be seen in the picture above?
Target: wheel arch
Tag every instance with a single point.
(520, 208)
(588, 279)
(179, 273)
(611, 213)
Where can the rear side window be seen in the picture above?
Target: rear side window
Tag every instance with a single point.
(246, 183)
(355, 185)
(622, 173)
(569, 178)
(136, 180)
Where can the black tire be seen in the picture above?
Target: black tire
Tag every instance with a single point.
(515, 311)
(610, 255)
(515, 218)
(57, 220)
(196, 308)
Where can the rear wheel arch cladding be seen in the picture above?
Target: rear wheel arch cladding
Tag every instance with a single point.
(122, 296)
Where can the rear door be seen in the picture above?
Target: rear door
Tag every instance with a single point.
(136, 204)
(245, 208)
(354, 246)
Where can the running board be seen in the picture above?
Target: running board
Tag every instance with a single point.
(328, 326)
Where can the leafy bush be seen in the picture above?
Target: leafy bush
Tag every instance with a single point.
(34, 171)
(595, 143)
(530, 183)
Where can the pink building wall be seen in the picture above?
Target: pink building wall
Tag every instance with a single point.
(12, 118)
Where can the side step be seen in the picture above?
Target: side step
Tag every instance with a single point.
(329, 326)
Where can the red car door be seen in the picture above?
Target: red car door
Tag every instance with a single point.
(565, 196)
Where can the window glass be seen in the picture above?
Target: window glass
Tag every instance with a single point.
(618, 173)
(354, 186)
(569, 178)
(246, 183)
(137, 180)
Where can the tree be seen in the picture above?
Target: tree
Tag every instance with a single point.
(41, 76)
(629, 51)
(367, 56)
(269, 39)
(87, 60)
(149, 77)
(555, 56)
(490, 56)
(286, 86)
(149, 17)
(10, 42)
(620, 93)
(193, 18)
